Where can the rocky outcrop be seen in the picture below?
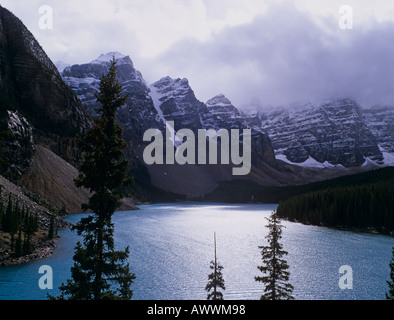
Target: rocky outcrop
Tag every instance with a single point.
(16, 144)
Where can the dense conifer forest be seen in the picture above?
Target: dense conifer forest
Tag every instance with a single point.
(363, 201)
(20, 224)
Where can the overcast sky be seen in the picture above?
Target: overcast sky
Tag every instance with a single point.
(271, 52)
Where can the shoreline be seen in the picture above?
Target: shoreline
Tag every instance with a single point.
(45, 249)
(342, 228)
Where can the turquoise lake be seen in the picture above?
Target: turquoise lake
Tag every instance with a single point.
(171, 246)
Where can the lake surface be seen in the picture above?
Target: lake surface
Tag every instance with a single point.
(171, 246)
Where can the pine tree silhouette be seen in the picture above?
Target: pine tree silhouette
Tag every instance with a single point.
(215, 279)
(274, 268)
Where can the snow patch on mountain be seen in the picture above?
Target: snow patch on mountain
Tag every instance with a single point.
(156, 98)
(311, 163)
(388, 159)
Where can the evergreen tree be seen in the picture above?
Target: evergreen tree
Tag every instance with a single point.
(100, 272)
(18, 244)
(51, 230)
(7, 216)
(275, 269)
(215, 279)
(390, 294)
(26, 248)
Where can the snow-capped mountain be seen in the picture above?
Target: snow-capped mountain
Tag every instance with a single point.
(138, 114)
(104, 58)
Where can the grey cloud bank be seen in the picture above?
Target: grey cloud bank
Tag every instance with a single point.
(286, 52)
(284, 57)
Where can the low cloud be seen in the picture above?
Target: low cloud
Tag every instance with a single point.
(275, 52)
(285, 57)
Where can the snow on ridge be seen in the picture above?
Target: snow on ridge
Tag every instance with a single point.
(108, 57)
(171, 88)
(310, 163)
(120, 58)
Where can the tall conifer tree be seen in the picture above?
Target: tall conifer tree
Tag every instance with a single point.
(100, 272)
(215, 279)
(274, 268)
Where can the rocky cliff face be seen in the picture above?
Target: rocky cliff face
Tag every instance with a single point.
(17, 145)
(334, 132)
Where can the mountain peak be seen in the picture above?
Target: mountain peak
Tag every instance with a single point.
(170, 81)
(120, 58)
(108, 56)
(220, 99)
(221, 106)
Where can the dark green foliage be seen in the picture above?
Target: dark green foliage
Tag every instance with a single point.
(239, 191)
(18, 244)
(360, 206)
(390, 294)
(51, 231)
(215, 280)
(100, 272)
(274, 268)
(20, 224)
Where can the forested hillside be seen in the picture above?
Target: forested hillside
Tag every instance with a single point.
(363, 201)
